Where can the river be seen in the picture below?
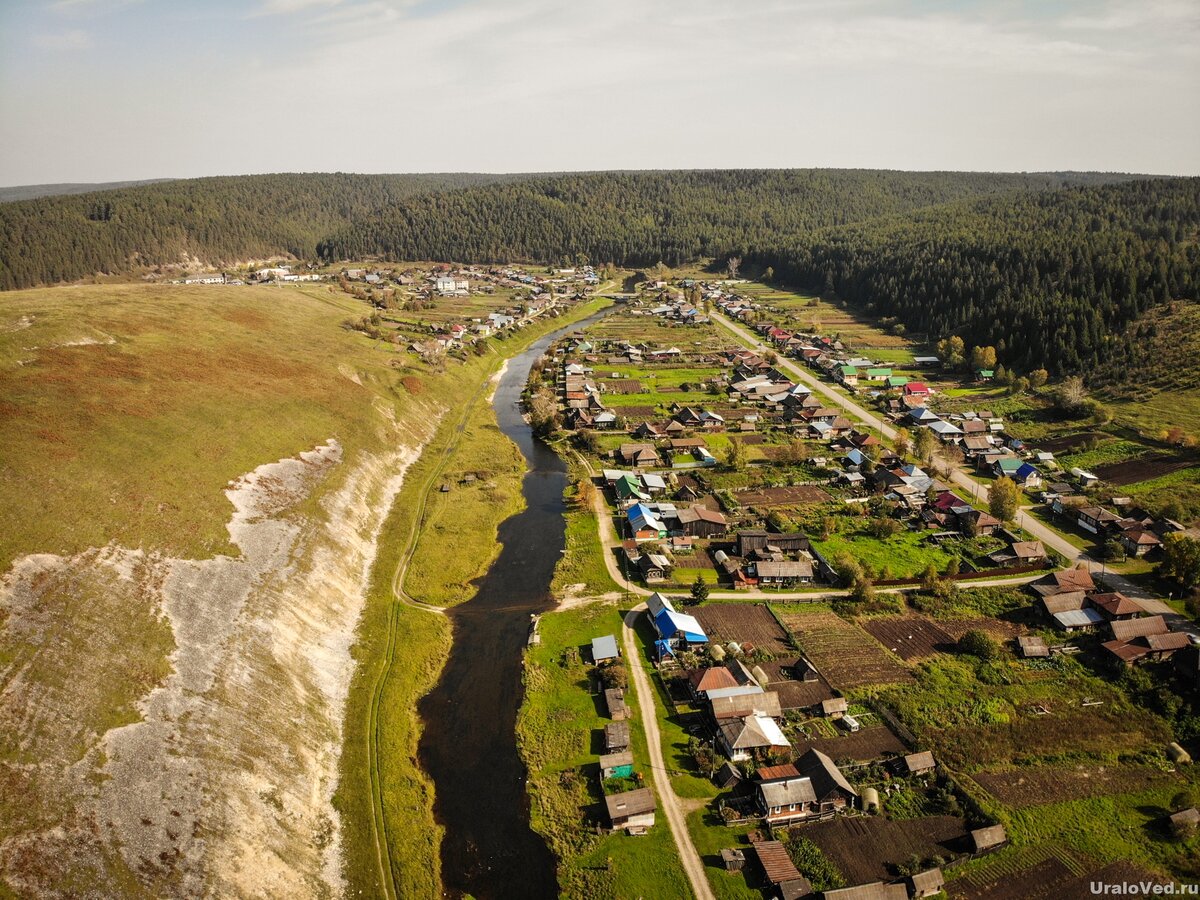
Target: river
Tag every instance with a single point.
(468, 745)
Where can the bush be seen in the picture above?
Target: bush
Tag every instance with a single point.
(979, 644)
(883, 528)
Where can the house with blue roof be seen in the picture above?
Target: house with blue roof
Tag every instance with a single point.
(1023, 473)
(676, 631)
(645, 524)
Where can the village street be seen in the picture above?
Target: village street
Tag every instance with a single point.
(977, 491)
(693, 865)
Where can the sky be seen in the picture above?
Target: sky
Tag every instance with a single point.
(108, 90)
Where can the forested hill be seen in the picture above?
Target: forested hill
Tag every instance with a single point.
(1049, 268)
(31, 191)
(1050, 279)
(640, 218)
(624, 217)
(64, 238)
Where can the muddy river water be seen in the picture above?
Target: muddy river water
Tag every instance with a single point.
(469, 744)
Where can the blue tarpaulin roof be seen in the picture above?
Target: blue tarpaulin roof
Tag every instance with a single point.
(669, 623)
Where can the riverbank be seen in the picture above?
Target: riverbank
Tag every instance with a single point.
(391, 839)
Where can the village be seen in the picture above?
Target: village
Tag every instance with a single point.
(434, 309)
(852, 724)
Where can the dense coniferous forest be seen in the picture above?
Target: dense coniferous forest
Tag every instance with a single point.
(217, 220)
(1049, 268)
(641, 218)
(1051, 280)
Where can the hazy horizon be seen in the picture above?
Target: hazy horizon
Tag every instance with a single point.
(95, 91)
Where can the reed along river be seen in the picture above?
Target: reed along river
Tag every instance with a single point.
(468, 746)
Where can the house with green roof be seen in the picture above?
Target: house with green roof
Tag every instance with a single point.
(848, 375)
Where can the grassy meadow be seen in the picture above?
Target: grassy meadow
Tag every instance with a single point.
(125, 410)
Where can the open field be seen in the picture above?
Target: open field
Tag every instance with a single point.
(1037, 785)
(1019, 713)
(127, 409)
(777, 497)
(458, 532)
(724, 622)
(794, 694)
(864, 745)
(867, 849)
(147, 429)
(842, 652)
(1045, 872)
(655, 332)
(909, 637)
(905, 554)
(809, 312)
(1016, 873)
(1145, 468)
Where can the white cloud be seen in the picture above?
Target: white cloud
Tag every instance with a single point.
(520, 85)
(290, 7)
(75, 39)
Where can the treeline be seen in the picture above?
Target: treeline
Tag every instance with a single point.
(1050, 269)
(641, 218)
(1050, 279)
(217, 220)
(625, 217)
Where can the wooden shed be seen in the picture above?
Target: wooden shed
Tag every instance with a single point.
(926, 884)
(631, 810)
(616, 737)
(987, 838)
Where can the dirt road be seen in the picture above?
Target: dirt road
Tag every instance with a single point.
(693, 866)
(974, 489)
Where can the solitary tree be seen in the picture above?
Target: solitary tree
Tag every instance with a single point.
(735, 455)
(699, 590)
(1003, 499)
(952, 351)
(924, 444)
(733, 266)
(1180, 560)
(901, 441)
(1038, 378)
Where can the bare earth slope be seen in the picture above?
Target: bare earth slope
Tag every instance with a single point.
(170, 723)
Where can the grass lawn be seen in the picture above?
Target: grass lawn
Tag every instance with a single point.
(1067, 532)
(469, 515)
(583, 559)
(556, 728)
(903, 555)
(711, 835)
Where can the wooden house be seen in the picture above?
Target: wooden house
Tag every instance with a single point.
(699, 521)
(780, 871)
(631, 810)
(926, 884)
(875, 890)
(919, 763)
(614, 701)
